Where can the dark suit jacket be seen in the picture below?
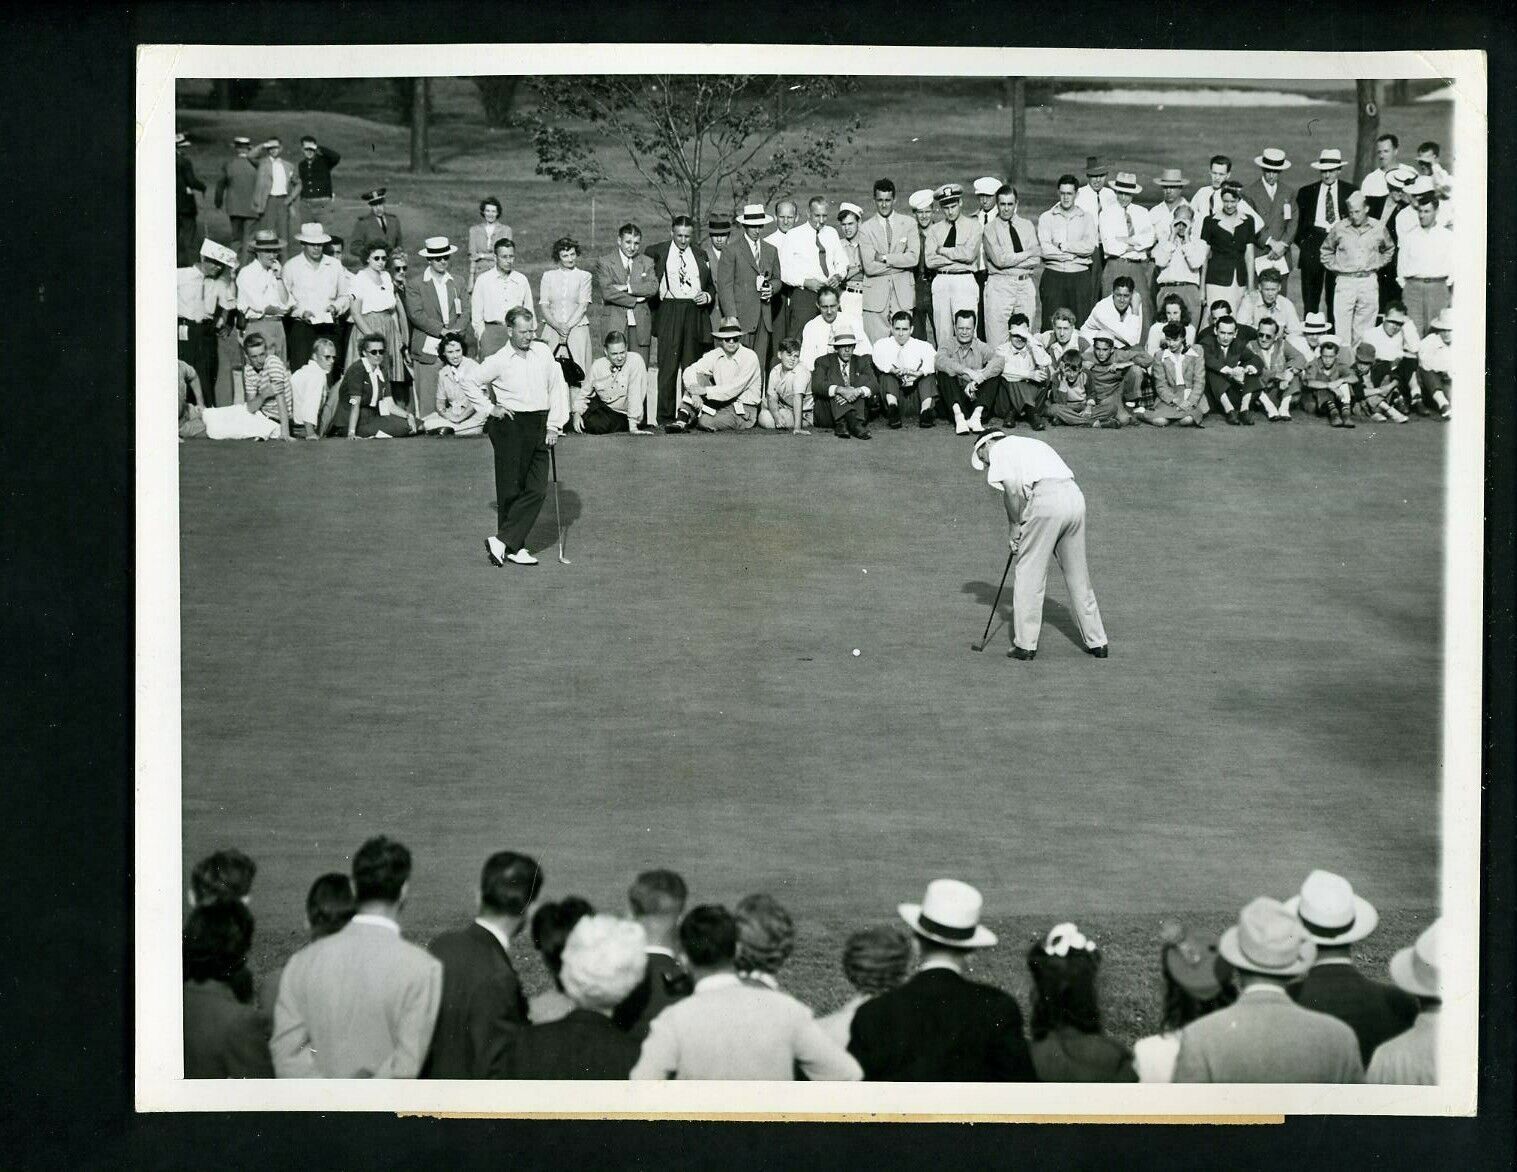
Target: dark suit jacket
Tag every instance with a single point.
(1309, 237)
(366, 229)
(1239, 353)
(239, 176)
(1376, 1012)
(665, 982)
(483, 1007)
(659, 255)
(828, 372)
(941, 1027)
(737, 283)
(421, 312)
(189, 183)
(608, 271)
(223, 1038)
(585, 1044)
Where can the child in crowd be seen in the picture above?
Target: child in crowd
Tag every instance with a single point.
(1374, 397)
(788, 403)
(1333, 381)
(1068, 403)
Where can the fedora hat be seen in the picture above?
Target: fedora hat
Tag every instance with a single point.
(1315, 323)
(1195, 967)
(949, 914)
(1268, 939)
(1170, 177)
(754, 216)
(850, 209)
(1327, 906)
(949, 193)
(920, 201)
(1331, 159)
(988, 185)
(976, 454)
(728, 327)
(436, 246)
(718, 222)
(219, 253)
(1095, 165)
(312, 234)
(1415, 968)
(1126, 183)
(1420, 186)
(266, 238)
(1442, 320)
(375, 196)
(844, 337)
(1273, 159)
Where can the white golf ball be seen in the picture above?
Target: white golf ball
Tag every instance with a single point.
(855, 650)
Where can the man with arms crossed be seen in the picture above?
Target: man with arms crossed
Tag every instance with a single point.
(889, 250)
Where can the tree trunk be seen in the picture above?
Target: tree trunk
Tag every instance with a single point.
(221, 93)
(1016, 98)
(1369, 127)
(420, 103)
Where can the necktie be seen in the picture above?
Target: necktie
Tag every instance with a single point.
(381, 220)
(843, 369)
(684, 271)
(1331, 212)
(889, 235)
(821, 255)
(1016, 240)
(921, 252)
(953, 234)
(1127, 215)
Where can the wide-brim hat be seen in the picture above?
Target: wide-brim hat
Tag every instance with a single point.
(1268, 939)
(1442, 320)
(375, 196)
(1126, 183)
(1315, 323)
(1331, 159)
(266, 238)
(1273, 159)
(1401, 175)
(844, 337)
(850, 209)
(1416, 968)
(977, 453)
(949, 193)
(1095, 165)
(1196, 967)
(312, 234)
(753, 215)
(1170, 177)
(718, 223)
(436, 246)
(1329, 909)
(920, 201)
(728, 327)
(949, 914)
(988, 185)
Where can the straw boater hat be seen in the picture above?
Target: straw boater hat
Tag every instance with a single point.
(753, 215)
(1401, 175)
(1442, 320)
(989, 185)
(1170, 177)
(219, 253)
(920, 201)
(313, 234)
(1415, 969)
(850, 209)
(1331, 159)
(375, 196)
(949, 193)
(1126, 183)
(728, 327)
(949, 914)
(1267, 939)
(266, 238)
(1273, 159)
(436, 246)
(1315, 323)
(842, 337)
(1420, 186)
(1095, 165)
(1326, 906)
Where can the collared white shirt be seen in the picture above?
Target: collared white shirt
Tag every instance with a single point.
(521, 380)
(1162, 218)
(1086, 199)
(799, 257)
(495, 294)
(627, 280)
(379, 385)
(715, 981)
(308, 385)
(1020, 364)
(199, 296)
(916, 356)
(1116, 239)
(440, 291)
(1393, 349)
(315, 287)
(816, 337)
(1320, 219)
(1406, 218)
(258, 287)
(736, 378)
(1125, 329)
(1015, 464)
(279, 183)
(377, 921)
(1181, 265)
(1175, 363)
(939, 962)
(1374, 183)
(682, 281)
(1434, 354)
(505, 941)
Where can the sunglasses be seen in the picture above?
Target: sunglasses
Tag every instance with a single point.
(375, 353)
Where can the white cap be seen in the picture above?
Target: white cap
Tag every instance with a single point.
(219, 253)
(850, 207)
(920, 201)
(989, 185)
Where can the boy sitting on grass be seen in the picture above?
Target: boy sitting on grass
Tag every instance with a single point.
(788, 402)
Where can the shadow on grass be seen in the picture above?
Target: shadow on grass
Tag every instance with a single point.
(1055, 613)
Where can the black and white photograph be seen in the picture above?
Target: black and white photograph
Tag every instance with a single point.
(793, 629)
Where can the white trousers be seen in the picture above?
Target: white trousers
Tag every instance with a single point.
(1053, 528)
(952, 292)
(237, 422)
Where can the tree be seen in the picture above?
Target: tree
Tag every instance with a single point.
(497, 95)
(1014, 98)
(1368, 93)
(692, 142)
(421, 103)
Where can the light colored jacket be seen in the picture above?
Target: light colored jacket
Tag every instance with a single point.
(265, 182)
(889, 266)
(1266, 1037)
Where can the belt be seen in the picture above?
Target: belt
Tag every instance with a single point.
(1361, 273)
(1178, 285)
(194, 321)
(1440, 279)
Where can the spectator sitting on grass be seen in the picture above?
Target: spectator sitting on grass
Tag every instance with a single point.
(329, 906)
(455, 414)
(1067, 1042)
(875, 960)
(1196, 982)
(765, 939)
(551, 925)
(224, 1034)
(657, 901)
(264, 413)
(226, 875)
(1412, 1057)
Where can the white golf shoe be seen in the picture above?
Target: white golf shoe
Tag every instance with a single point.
(496, 549)
(522, 557)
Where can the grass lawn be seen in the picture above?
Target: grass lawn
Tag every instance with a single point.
(684, 694)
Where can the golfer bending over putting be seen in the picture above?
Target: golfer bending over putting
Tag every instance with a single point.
(1047, 513)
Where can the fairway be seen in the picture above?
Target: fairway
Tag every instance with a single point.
(684, 693)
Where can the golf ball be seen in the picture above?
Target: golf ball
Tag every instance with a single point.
(855, 650)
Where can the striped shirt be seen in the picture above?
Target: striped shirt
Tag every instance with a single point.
(275, 376)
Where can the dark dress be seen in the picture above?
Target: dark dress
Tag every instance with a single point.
(584, 1044)
(665, 982)
(223, 1037)
(1070, 1055)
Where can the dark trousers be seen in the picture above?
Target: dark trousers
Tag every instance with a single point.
(761, 342)
(678, 328)
(1218, 384)
(1316, 282)
(921, 312)
(800, 308)
(985, 395)
(1390, 288)
(841, 414)
(301, 338)
(1402, 371)
(1064, 291)
(521, 473)
(911, 398)
(599, 419)
(979, 321)
(187, 238)
(199, 350)
(1016, 398)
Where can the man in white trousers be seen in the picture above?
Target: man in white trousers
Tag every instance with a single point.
(1047, 514)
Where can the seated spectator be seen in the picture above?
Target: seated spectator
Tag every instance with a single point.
(1280, 374)
(1395, 342)
(1232, 371)
(363, 407)
(1026, 372)
(969, 375)
(875, 960)
(615, 391)
(1314, 328)
(1411, 1058)
(329, 907)
(1118, 316)
(1332, 380)
(224, 876)
(940, 1026)
(1197, 981)
(1068, 401)
(1171, 309)
(1111, 386)
(1435, 364)
(551, 925)
(724, 387)
(1335, 918)
(657, 901)
(843, 384)
(731, 1029)
(310, 387)
(603, 960)
(765, 939)
(907, 368)
(1374, 390)
(788, 402)
(224, 1034)
(483, 1007)
(1221, 308)
(816, 334)
(1179, 382)
(455, 414)
(1266, 301)
(264, 413)
(1265, 1036)
(362, 1002)
(191, 396)
(1064, 337)
(1067, 1042)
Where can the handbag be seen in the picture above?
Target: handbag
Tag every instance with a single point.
(574, 374)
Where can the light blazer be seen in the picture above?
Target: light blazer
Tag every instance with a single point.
(421, 312)
(614, 303)
(1266, 1037)
(265, 182)
(889, 267)
(1187, 392)
(737, 283)
(362, 1002)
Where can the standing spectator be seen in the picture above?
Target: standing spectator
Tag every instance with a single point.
(729, 1029)
(311, 389)
(1067, 237)
(1335, 918)
(890, 249)
(1435, 364)
(1171, 184)
(494, 296)
(224, 1034)
(329, 906)
(1376, 191)
(1424, 252)
(361, 1003)
(875, 961)
(375, 310)
(1273, 203)
(851, 295)
(907, 367)
(1355, 250)
(1229, 236)
(1429, 164)
(1180, 263)
(318, 289)
(315, 170)
(718, 232)
(377, 225)
(435, 308)
(563, 298)
(1128, 239)
(603, 960)
(482, 238)
(226, 876)
(1013, 260)
(657, 901)
(1067, 1042)
(724, 388)
(921, 309)
(204, 300)
(276, 189)
(234, 194)
(786, 213)
(1197, 981)
(685, 288)
(746, 278)
(628, 282)
(1094, 198)
(262, 299)
(186, 205)
(404, 380)
(985, 189)
(1411, 1058)
(362, 405)
(615, 391)
(482, 1006)
(551, 925)
(765, 938)
(813, 259)
(952, 250)
(1319, 205)
(940, 1026)
(1265, 1036)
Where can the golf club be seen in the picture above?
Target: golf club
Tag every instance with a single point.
(558, 517)
(996, 605)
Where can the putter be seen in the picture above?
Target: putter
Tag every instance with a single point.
(996, 605)
(558, 517)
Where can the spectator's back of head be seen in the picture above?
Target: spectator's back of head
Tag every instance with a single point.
(330, 904)
(509, 884)
(765, 934)
(217, 937)
(875, 960)
(657, 893)
(1064, 967)
(381, 870)
(708, 936)
(603, 960)
(226, 875)
(551, 925)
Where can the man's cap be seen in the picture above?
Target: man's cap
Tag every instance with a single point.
(375, 196)
(850, 209)
(242, 140)
(920, 201)
(989, 185)
(949, 193)
(1364, 352)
